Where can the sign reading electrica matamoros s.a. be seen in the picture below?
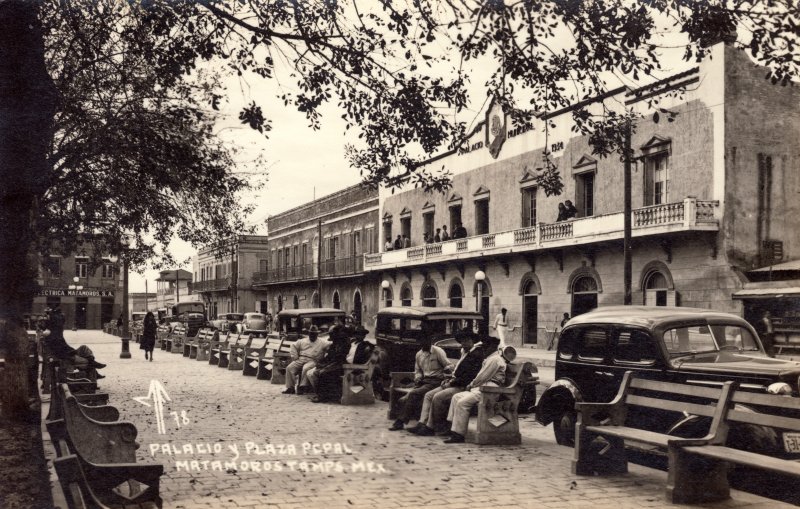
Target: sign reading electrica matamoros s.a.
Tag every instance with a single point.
(66, 292)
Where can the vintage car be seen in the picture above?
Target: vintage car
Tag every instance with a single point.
(254, 322)
(673, 344)
(399, 330)
(223, 321)
(294, 323)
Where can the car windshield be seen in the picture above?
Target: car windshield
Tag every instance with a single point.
(709, 338)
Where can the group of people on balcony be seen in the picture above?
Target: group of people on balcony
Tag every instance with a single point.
(566, 210)
(438, 398)
(318, 365)
(441, 235)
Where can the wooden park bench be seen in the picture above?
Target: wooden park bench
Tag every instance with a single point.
(104, 455)
(238, 351)
(498, 411)
(357, 384)
(698, 468)
(610, 421)
(176, 339)
(281, 361)
(162, 333)
(190, 344)
(253, 353)
(224, 353)
(216, 346)
(199, 348)
(266, 362)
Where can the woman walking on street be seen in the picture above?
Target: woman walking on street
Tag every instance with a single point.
(148, 336)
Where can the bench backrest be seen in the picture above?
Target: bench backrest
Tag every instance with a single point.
(770, 410)
(94, 441)
(273, 345)
(179, 330)
(517, 374)
(259, 343)
(673, 397)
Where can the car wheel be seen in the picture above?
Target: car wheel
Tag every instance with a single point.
(564, 428)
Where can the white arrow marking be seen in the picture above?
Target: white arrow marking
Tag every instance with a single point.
(158, 394)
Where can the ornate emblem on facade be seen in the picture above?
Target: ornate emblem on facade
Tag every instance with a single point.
(495, 128)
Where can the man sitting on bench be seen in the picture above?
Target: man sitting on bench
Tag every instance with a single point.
(305, 353)
(82, 358)
(429, 372)
(324, 377)
(437, 402)
(492, 373)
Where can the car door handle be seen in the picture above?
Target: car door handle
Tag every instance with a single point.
(604, 373)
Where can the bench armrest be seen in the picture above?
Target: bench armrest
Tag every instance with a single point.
(399, 376)
(488, 389)
(615, 412)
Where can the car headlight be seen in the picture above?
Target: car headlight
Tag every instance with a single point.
(781, 388)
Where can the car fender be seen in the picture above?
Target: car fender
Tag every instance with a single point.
(561, 393)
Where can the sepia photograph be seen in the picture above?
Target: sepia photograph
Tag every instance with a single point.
(446, 254)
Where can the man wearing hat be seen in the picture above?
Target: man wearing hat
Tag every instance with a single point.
(324, 376)
(433, 417)
(429, 367)
(492, 373)
(305, 352)
(53, 335)
(360, 350)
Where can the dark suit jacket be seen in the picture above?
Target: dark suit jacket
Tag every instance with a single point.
(468, 368)
(55, 341)
(363, 352)
(334, 357)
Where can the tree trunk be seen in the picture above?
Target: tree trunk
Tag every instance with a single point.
(27, 107)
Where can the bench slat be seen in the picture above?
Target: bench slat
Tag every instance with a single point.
(720, 452)
(635, 434)
(769, 420)
(674, 388)
(672, 406)
(756, 398)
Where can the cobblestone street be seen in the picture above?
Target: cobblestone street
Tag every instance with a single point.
(283, 451)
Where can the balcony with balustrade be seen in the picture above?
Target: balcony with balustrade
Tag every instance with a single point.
(212, 285)
(688, 215)
(340, 267)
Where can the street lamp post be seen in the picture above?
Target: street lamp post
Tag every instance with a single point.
(480, 276)
(385, 286)
(76, 287)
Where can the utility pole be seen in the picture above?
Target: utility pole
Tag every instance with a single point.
(626, 242)
(146, 304)
(319, 263)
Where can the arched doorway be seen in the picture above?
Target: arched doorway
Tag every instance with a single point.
(456, 295)
(315, 300)
(296, 302)
(584, 295)
(336, 302)
(357, 306)
(530, 312)
(656, 289)
(429, 296)
(280, 303)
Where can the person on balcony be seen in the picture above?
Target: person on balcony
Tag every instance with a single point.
(426, 238)
(406, 242)
(445, 235)
(388, 246)
(398, 243)
(460, 232)
(438, 236)
(562, 213)
(572, 212)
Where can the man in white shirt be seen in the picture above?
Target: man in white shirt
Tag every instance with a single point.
(429, 372)
(492, 373)
(305, 353)
(501, 326)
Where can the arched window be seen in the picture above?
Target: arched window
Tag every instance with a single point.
(405, 296)
(429, 296)
(387, 297)
(280, 303)
(315, 300)
(296, 302)
(584, 295)
(336, 302)
(530, 312)
(456, 296)
(655, 289)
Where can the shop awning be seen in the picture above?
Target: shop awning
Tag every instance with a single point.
(788, 266)
(768, 292)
